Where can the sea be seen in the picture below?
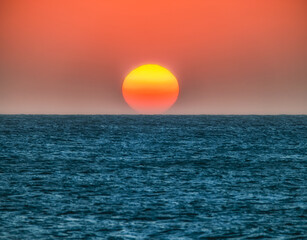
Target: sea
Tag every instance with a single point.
(153, 177)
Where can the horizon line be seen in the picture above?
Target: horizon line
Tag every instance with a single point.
(125, 114)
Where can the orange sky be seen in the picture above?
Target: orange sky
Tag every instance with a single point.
(230, 57)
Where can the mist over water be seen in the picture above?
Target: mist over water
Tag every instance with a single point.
(152, 177)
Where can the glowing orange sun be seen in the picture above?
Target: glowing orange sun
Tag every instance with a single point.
(150, 89)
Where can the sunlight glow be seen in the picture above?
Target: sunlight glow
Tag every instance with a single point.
(150, 89)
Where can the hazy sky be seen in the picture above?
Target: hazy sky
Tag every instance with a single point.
(230, 57)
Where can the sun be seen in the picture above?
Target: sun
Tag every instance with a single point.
(150, 89)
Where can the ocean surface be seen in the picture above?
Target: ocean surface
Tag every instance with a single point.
(153, 177)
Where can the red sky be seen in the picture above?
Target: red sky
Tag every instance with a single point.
(230, 57)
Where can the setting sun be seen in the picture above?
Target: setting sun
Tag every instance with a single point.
(150, 89)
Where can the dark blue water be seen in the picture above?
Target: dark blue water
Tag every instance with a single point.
(153, 177)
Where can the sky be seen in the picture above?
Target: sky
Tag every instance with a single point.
(229, 56)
